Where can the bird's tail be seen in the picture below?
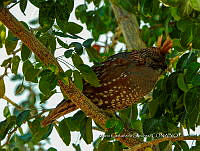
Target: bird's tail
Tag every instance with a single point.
(64, 107)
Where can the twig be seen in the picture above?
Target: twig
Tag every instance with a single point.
(64, 62)
(9, 136)
(16, 51)
(13, 103)
(13, 5)
(157, 141)
(5, 73)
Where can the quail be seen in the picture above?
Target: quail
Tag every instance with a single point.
(125, 78)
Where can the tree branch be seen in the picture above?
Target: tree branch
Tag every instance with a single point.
(129, 26)
(157, 141)
(69, 89)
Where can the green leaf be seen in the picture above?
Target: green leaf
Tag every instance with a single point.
(191, 71)
(71, 27)
(195, 148)
(137, 125)
(37, 3)
(118, 127)
(89, 75)
(191, 99)
(63, 44)
(6, 112)
(111, 123)
(2, 34)
(44, 98)
(77, 61)
(77, 47)
(6, 62)
(10, 43)
(81, 9)
(31, 75)
(6, 125)
(47, 83)
(105, 146)
(47, 15)
(78, 80)
(153, 107)
(23, 4)
(87, 43)
(187, 37)
(2, 88)
(26, 65)
(39, 133)
(174, 13)
(63, 16)
(22, 117)
(19, 89)
(196, 80)
(15, 64)
(49, 41)
(185, 8)
(181, 82)
(185, 60)
(93, 55)
(77, 147)
(68, 53)
(29, 72)
(173, 3)
(75, 121)
(195, 4)
(25, 52)
(64, 132)
(52, 149)
(86, 130)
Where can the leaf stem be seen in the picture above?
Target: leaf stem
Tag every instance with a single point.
(13, 103)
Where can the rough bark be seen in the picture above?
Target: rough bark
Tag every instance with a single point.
(129, 26)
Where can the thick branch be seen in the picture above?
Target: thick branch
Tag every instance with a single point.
(129, 26)
(157, 141)
(45, 56)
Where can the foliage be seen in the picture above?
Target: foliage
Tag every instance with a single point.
(175, 101)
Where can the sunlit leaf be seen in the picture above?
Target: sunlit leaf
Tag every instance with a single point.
(10, 43)
(77, 61)
(78, 80)
(195, 4)
(64, 132)
(15, 64)
(89, 75)
(2, 88)
(181, 82)
(25, 53)
(22, 117)
(23, 4)
(47, 15)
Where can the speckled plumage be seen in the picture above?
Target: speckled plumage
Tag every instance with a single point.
(125, 78)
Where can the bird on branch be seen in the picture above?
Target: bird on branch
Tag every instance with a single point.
(125, 78)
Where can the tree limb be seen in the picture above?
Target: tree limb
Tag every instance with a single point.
(157, 141)
(69, 89)
(129, 26)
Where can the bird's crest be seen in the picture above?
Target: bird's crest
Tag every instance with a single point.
(166, 46)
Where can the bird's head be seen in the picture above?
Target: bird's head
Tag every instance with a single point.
(155, 56)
